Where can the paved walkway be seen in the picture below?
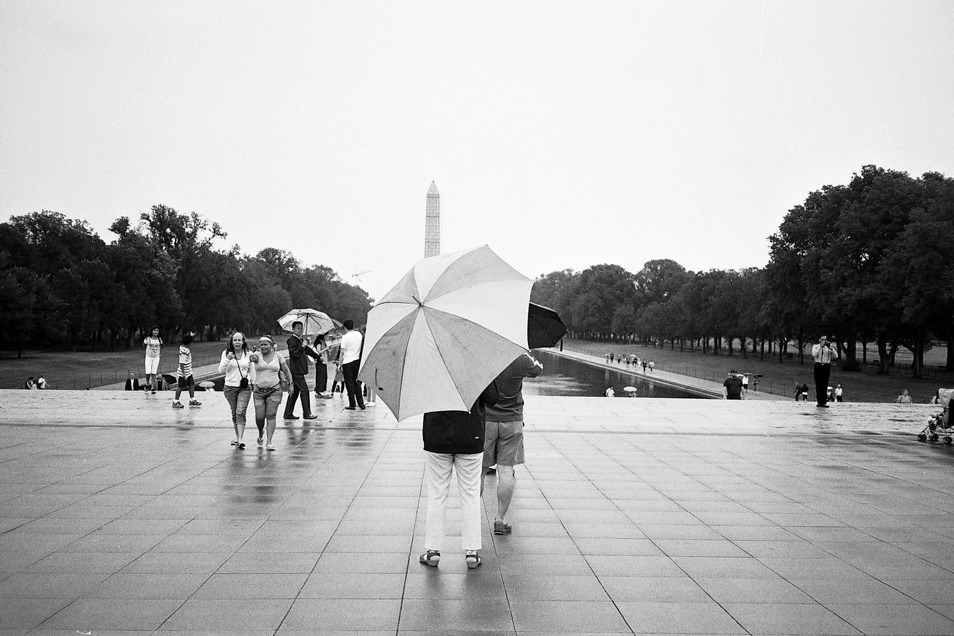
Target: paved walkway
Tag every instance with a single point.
(122, 515)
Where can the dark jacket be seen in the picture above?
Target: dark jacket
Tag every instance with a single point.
(458, 432)
(297, 360)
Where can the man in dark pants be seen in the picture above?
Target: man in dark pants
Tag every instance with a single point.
(298, 354)
(349, 357)
(824, 355)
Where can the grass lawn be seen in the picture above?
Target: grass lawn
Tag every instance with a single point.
(85, 369)
(780, 378)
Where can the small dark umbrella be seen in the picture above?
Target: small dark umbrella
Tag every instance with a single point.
(544, 327)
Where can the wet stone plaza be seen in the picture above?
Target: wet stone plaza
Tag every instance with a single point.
(121, 515)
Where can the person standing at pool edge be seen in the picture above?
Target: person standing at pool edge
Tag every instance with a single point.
(732, 387)
(824, 355)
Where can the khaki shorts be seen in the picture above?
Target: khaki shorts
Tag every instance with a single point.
(503, 443)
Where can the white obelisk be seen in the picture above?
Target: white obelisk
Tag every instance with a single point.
(432, 222)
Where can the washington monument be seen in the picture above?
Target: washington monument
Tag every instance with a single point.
(432, 222)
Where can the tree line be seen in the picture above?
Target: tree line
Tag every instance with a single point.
(62, 285)
(870, 262)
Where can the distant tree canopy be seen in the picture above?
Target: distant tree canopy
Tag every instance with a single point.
(64, 286)
(867, 262)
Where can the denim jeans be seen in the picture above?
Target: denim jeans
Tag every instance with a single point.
(266, 404)
(238, 400)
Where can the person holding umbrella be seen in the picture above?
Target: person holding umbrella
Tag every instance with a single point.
(455, 440)
(298, 354)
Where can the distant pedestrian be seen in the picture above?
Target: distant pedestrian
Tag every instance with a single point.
(824, 355)
(350, 360)
(645, 364)
(732, 386)
(805, 392)
(238, 392)
(904, 398)
(798, 391)
(30, 384)
(184, 379)
(609, 392)
(321, 369)
(40, 383)
(652, 365)
(454, 443)
(745, 383)
(839, 394)
(132, 382)
(153, 344)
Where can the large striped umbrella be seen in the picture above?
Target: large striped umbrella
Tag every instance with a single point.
(445, 331)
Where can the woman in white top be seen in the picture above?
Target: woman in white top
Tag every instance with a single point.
(267, 387)
(153, 344)
(238, 392)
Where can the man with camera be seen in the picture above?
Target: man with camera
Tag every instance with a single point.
(824, 355)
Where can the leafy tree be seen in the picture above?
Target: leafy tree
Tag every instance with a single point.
(21, 290)
(599, 290)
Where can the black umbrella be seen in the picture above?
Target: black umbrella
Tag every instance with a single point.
(544, 327)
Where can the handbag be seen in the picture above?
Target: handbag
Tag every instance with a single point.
(243, 383)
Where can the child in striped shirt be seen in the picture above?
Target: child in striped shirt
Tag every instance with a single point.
(184, 374)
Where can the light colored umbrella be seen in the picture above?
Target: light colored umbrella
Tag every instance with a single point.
(445, 331)
(315, 322)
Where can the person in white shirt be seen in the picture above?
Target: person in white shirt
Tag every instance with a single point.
(349, 357)
(824, 355)
(237, 386)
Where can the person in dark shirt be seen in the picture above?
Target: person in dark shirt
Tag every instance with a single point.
(503, 445)
(298, 354)
(732, 387)
(455, 440)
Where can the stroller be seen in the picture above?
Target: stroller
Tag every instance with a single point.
(941, 421)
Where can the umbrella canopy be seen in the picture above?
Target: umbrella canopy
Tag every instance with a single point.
(315, 322)
(544, 327)
(445, 331)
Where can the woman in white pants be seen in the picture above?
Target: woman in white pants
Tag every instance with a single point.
(454, 441)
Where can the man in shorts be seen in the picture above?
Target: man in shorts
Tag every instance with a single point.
(503, 440)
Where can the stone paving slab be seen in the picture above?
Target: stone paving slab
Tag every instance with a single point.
(121, 515)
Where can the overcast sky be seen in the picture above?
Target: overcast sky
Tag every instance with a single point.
(562, 134)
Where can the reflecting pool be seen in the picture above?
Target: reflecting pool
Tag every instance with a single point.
(564, 376)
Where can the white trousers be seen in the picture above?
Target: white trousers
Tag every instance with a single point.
(437, 474)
